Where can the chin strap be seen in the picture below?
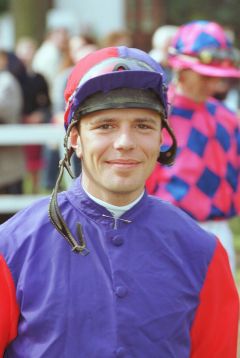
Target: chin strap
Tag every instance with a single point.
(167, 157)
(79, 245)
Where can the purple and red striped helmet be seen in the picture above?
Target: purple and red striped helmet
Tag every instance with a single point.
(204, 47)
(112, 68)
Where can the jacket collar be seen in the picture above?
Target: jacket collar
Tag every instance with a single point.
(83, 203)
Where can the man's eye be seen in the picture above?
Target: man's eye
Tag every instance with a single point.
(144, 126)
(105, 126)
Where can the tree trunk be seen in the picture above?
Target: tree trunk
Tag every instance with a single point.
(29, 18)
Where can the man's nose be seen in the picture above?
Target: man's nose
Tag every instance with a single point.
(124, 140)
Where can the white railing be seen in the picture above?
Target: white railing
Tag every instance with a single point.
(19, 134)
(22, 134)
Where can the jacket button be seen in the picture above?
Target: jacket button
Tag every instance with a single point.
(120, 352)
(121, 291)
(117, 240)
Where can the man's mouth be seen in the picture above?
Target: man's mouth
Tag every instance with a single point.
(123, 163)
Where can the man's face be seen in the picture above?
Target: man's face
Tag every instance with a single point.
(196, 86)
(118, 149)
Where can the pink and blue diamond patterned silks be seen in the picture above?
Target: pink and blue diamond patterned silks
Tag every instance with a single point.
(205, 178)
(204, 47)
(198, 35)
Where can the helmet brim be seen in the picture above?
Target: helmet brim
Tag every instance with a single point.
(203, 69)
(119, 79)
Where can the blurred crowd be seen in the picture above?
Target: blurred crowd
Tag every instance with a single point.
(32, 83)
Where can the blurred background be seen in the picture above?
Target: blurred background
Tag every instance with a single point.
(140, 17)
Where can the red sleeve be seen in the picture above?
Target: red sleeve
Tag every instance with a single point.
(215, 327)
(9, 312)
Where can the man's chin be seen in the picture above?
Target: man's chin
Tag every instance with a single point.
(122, 187)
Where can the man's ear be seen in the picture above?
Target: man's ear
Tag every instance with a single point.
(76, 142)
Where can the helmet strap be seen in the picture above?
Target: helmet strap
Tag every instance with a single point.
(79, 245)
(167, 157)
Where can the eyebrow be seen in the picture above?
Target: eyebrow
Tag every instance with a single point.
(147, 119)
(100, 120)
(113, 119)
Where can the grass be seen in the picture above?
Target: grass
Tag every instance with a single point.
(235, 226)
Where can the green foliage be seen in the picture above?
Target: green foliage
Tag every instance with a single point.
(224, 11)
(235, 226)
(4, 5)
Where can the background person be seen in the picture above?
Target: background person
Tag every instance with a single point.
(49, 61)
(121, 37)
(12, 160)
(50, 54)
(36, 109)
(161, 40)
(128, 274)
(204, 181)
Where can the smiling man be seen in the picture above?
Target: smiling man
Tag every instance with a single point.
(104, 270)
(119, 149)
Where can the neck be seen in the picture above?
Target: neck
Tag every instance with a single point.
(111, 197)
(116, 211)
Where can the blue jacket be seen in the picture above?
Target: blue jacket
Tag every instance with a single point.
(153, 285)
